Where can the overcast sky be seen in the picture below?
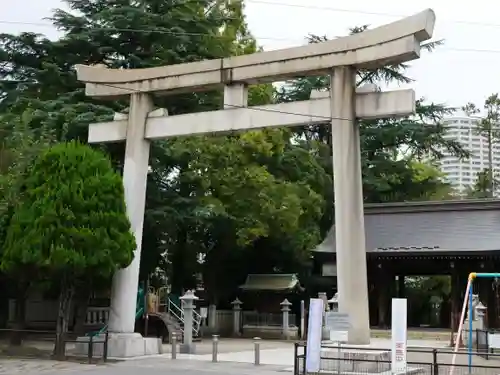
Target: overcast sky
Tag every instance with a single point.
(465, 69)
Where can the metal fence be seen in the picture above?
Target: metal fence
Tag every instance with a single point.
(348, 360)
(257, 319)
(50, 336)
(482, 345)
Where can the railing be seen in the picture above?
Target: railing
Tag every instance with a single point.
(487, 342)
(366, 360)
(252, 318)
(196, 322)
(97, 316)
(178, 313)
(224, 320)
(51, 336)
(175, 311)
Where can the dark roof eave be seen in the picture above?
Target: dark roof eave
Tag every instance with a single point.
(437, 252)
(432, 206)
(422, 252)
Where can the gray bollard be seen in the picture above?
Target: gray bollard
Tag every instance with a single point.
(174, 345)
(215, 347)
(256, 343)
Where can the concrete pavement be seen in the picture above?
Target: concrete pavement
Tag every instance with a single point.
(146, 366)
(235, 356)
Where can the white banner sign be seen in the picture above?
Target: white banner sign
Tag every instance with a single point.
(399, 335)
(314, 326)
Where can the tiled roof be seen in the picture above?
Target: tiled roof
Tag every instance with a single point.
(427, 226)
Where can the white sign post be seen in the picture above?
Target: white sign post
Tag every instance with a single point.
(399, 335)
(314, 328)
(338, 325)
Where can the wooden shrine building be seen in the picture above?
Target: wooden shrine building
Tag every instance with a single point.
(424, 238)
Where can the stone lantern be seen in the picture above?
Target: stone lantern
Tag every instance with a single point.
(188, 306)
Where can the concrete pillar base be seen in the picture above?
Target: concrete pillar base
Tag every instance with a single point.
(120, 345)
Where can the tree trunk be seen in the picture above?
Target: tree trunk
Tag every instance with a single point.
(81, 307)
(16, 336)
(65, 299)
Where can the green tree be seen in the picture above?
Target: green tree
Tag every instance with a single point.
(488, 127)
(244, 207)
(428, 297)
(431, 181)
(233, 196)
(71, 224)
(19, 147)
(482, 186)
(390, 147)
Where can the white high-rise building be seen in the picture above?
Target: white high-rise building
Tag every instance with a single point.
(463, 173)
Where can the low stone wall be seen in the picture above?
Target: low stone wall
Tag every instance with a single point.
(40, 314)
(269, 332)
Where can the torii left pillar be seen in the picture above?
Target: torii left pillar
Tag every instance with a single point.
(123, 341)
(122, 316)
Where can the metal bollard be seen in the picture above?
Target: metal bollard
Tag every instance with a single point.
(256, 343)
(174, 345)
(215, 345)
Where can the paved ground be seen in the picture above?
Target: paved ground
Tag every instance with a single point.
(42, 367)
(235, 357)
(147, 366)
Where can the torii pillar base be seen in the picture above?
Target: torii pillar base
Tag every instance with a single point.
(120, 345)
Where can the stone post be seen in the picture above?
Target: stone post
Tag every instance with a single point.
(325, 333)
(188, 300)
(285, 309)
(236, 316)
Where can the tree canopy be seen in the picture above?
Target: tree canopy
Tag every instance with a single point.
(72, 218)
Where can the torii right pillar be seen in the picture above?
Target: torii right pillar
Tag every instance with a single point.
(349, 214)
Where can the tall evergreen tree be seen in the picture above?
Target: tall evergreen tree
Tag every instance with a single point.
(70, 225)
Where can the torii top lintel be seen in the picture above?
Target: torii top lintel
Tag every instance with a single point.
(392, 43)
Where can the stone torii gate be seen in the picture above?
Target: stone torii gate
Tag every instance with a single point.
(342, 105)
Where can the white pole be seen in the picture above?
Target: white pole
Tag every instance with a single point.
(460, 326)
